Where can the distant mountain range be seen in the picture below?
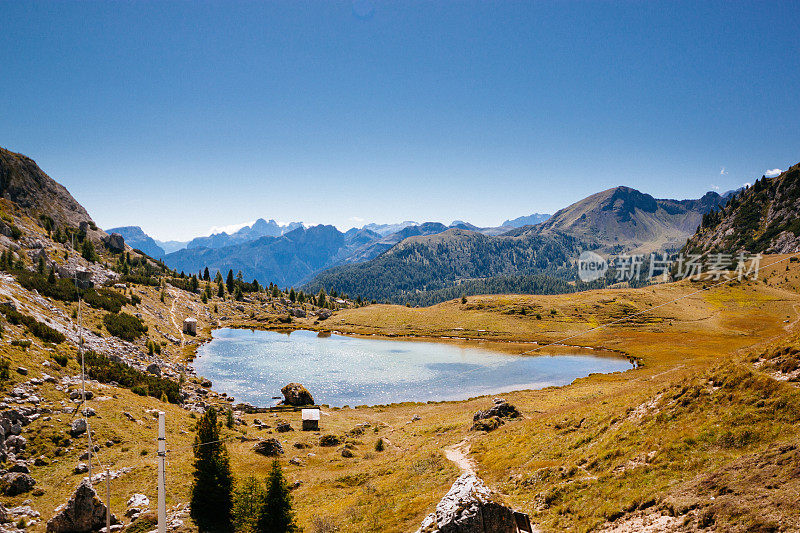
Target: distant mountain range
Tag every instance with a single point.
(624, 219)
(530, 220)
(138, 239)
(764, 218)
(619, 219)
(612, 221)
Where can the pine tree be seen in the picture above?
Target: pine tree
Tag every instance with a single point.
(292, 295)
(206, 275)
(212, 491)
(229, 281)
(276, 515)
(87, 251)
(41, 265)
(220, 290)
(218, 277)
(51, 278)
(248, 501)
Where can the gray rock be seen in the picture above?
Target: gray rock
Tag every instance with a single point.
(17, 483)
(78, 427)
(22, 370)
(115, 242)
(501, 408)
(83, 512)
(139, 500)
(80, 468)
(283, 427)
(296, 394)
(153, 368)
(270, 447)
(469, 507)
(15, 442)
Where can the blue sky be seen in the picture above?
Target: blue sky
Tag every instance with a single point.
(180, 116)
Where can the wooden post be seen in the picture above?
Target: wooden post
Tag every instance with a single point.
(108, 501)
(162, 455)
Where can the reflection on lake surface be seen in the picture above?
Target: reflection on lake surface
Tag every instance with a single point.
(340, 370)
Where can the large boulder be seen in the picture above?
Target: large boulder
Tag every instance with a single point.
(469, 507)
(83, 512)
(270, 447)
(15, 483)
(500, 408)
(115, 242)
(77, 427)
(296, 394)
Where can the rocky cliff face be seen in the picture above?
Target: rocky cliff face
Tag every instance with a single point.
(626, 219)
(762, 218)
(25, 184)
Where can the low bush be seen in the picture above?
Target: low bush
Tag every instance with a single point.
(42, 331)
(106, 370)
(107, 299)
(126, 327)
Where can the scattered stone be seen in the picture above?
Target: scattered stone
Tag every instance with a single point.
(270, 447)
(84, 511)
(20, 466)
(487, 424)
(78, 427)
(283, 427)
(129, 416)
(301, 445)
(416, 418)
(137, 504)
(347, 452)
(17, 483)
(501, 408)
(22, 370)
(296, 394)
(154, 369)
(470, 507)
(329, 440)
(81, 468)
(296, 461)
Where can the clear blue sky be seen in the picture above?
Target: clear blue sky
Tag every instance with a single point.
(180, 116)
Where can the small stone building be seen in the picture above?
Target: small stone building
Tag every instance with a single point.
(310, 419)
(190, 326)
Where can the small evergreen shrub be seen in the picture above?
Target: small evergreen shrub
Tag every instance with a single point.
(126, 327)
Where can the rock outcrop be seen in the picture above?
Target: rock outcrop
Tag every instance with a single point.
(83, 512)
(24, 183)
(270, 447)
(15, 483)
(500, 408)
(470, 507)
(296, 394)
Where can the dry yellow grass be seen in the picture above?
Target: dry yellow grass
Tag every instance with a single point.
(392, 490)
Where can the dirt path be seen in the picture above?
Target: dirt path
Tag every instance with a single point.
(172, 292)
(458, 454)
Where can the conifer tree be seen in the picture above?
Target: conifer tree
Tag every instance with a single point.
(292, 295)
(229, 281)
(212, 491)
(276, 514)
(206, 275)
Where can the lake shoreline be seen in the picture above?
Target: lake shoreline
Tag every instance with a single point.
(397, 374)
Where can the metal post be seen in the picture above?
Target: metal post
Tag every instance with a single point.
(108, 501)
(162, 493)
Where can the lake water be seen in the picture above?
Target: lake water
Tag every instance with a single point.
(340, 370)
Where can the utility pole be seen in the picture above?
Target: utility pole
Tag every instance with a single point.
(89, 449)
(162, 492)
(108, 500)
